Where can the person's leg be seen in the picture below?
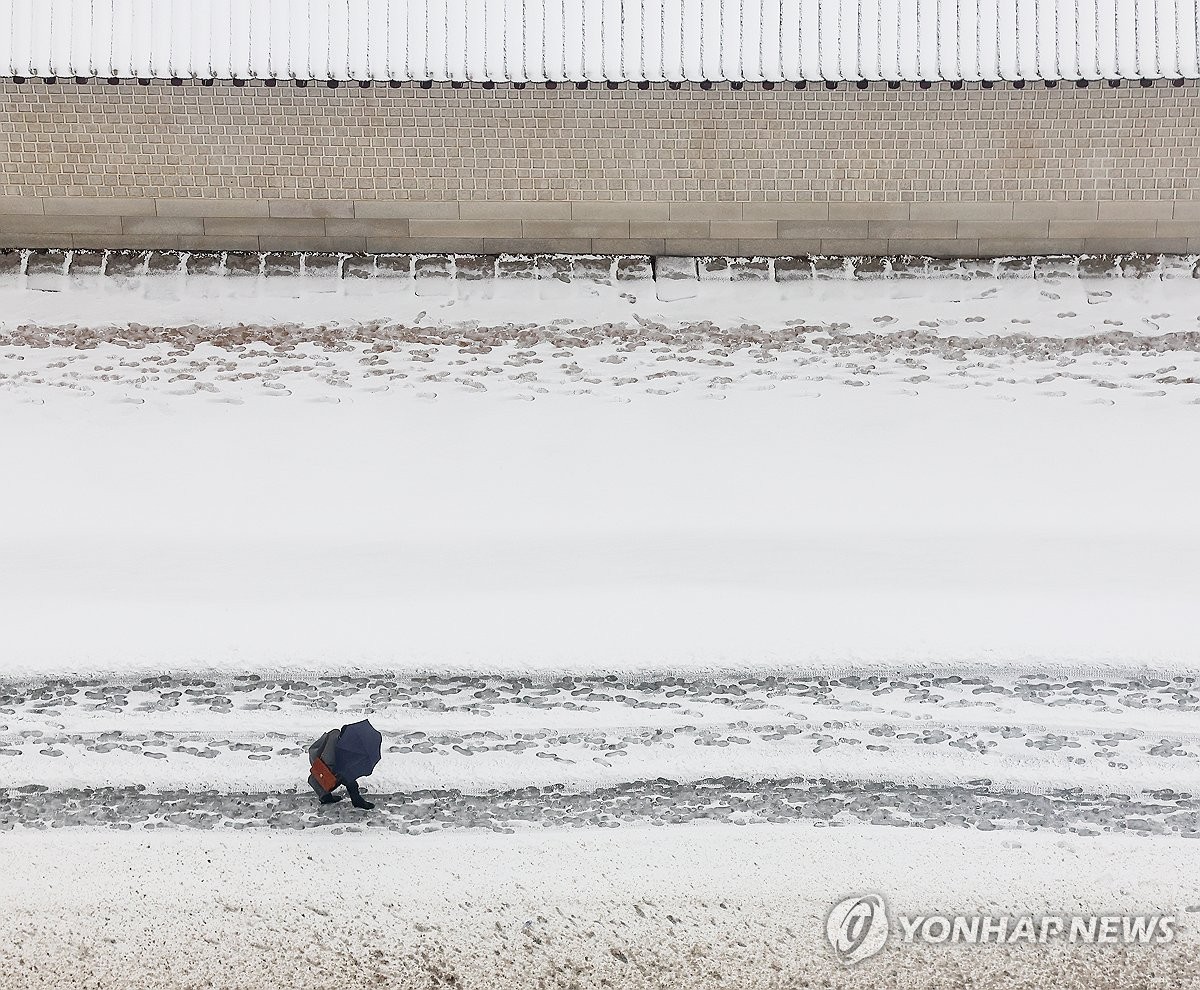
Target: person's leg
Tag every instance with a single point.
(356, 797)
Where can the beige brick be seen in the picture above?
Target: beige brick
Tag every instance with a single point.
(91, 206)
(656, 229)
(310, 208)
(935, 247)
(125, 242)
(631, 210)
(404, 209)
(227, 243)
(132, 226)
(629, 245)
(994, 229)
(367, 228)
(743, 229)
(702, 247)
(960, 211)
(1136, 210)
(574, 228)
(823, 230)
(21, 206)
(1000, 247)
(778, 248)
(1040, 210)
(1177, 228)
(706, 211)
(211, 207)
(312, 242)
(854, 247)
(259, 226)
(514, 210)
(1071, 229)
(912, 229)
(1123, 245)
(868, 211)
(464, 228)
(785, 211)
(59, 225)
(425, 245)
(537, 245)
(9, 242)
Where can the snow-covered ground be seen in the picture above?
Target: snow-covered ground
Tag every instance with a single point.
(692, 906)
(901, 485)
(909, 557)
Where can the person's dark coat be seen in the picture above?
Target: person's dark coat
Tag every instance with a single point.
(325, 749)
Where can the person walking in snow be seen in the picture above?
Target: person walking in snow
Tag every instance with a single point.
(339, 758)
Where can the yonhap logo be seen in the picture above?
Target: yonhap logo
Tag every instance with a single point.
(858, 927)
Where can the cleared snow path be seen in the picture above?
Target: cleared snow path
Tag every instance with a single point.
(1083, 755)
(660, 802)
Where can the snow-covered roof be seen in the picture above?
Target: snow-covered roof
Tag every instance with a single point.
(601, 40)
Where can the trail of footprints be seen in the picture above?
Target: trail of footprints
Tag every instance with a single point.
(332, 364)
(895, 714)
(655, 802)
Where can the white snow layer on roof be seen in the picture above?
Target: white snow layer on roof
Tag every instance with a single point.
(598, 40)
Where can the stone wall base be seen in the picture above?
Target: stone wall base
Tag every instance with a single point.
(844, 229)
(52, 269)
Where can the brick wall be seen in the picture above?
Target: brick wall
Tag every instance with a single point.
(968, 172)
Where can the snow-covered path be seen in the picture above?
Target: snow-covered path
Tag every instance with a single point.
(945, 540)
(1083, 755)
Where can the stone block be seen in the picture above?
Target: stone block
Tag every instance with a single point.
(785, 211)
(310, 208)
(960, 211)
(514, 210)
(663, 229)
(625, 210)
(21, 206)
(211, 207)
(705, 211)
(97, 206)
(136, 226)
(404, 209)
(822, 230)
(1056, 210)
(281, 263)
(675, 278)
(868, 211)
(243, 264)
(742, 229)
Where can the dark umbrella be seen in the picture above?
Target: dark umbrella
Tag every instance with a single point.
(358, 750)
